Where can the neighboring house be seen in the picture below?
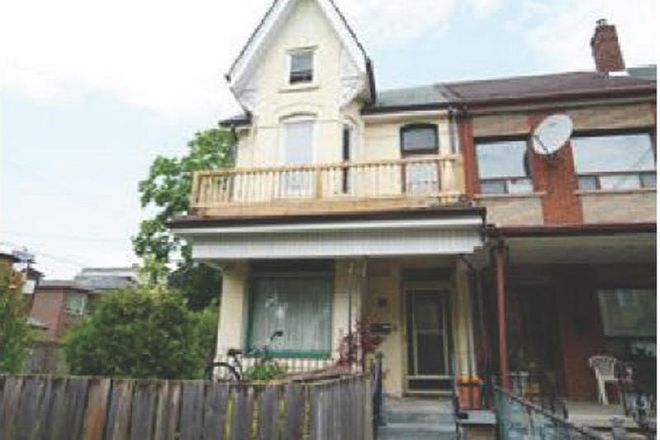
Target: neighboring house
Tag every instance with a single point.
(59, 304)
(347, 203)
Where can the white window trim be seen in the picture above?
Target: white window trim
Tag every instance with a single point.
(314, 83)
(302, 117)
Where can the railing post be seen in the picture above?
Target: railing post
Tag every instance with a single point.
(194, 193)
(318, 186)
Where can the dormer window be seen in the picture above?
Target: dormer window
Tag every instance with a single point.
(301, 66)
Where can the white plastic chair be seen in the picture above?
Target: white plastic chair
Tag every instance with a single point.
(605, 371)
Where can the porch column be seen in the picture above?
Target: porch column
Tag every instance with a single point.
(349, 283)
(500, 254)
(233, 309)
(462, 317)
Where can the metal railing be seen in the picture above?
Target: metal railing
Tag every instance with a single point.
(377, 392)
(439, 176)
(518, 418)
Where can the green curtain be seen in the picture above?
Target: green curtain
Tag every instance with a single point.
(300, 307)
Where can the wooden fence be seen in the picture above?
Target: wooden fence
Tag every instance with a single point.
(72, 408)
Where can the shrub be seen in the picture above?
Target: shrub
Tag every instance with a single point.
(16, 336)
(140, 332)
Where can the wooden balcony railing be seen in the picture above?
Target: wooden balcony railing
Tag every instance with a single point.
(327, 185)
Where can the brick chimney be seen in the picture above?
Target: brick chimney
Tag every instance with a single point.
(605, 48)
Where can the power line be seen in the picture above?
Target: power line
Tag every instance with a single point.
(45, 255)
(66, 237)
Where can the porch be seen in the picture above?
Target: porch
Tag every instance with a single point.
(555, 297)
(336, 187)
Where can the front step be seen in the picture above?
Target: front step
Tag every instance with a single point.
(417, 419)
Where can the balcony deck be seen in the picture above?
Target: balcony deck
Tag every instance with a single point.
(341, 187)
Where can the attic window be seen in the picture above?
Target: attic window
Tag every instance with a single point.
(301, 65)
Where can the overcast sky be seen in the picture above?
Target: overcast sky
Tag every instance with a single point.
(92, 90)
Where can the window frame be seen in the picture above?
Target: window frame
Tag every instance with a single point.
(290, 354)
(83, 308)
(608, 328)
(596, 176)
(505, 180)
(289, 71)
(415, 126)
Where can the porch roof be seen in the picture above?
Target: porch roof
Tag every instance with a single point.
(332, 237)
(566, 244)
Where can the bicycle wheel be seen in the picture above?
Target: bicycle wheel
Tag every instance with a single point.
(226, 372)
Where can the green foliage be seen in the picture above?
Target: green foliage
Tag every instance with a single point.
(141, 332)
(16, 336)
(167, 189)
(267, 371)
(200, 284)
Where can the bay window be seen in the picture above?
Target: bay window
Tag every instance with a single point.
(504, 167)
(614, 161)
(298, 150)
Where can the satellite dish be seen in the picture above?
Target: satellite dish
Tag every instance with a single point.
(551, 134)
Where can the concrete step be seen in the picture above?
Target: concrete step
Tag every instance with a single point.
(416, 431)
(432, 418)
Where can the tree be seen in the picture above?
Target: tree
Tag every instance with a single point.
(167, 188)
(16, 336)
(142, 332)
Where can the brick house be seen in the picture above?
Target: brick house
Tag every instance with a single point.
(422, 210)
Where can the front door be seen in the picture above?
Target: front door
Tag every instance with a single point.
(428, 340)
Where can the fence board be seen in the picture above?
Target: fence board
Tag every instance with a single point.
(118, 420)
(30, 402)
(242, 414)
(167, 410)
(192, 402)
(294, 396)
(143, 410)
(215, 409)
(51, 408)
(10, 398)
(269, 413)
(97, 406)
(56, 417)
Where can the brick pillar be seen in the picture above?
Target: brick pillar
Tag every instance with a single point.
(465, 134)
(555, 177)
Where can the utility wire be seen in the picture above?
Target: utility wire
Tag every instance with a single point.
(45, 255)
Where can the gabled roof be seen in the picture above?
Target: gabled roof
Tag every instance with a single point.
(275, 16)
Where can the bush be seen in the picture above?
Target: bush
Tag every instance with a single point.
(16, 336)
(141, 332)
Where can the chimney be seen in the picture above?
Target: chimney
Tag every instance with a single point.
(605, 48)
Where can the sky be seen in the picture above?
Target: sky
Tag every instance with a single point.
(93, 90)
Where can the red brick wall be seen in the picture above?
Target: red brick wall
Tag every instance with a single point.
(556, 178)
(581, 335)
(466, 137)
(48, 307)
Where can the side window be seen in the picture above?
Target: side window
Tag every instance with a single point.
(419, 139)
(76, 303)
(614, 161)
(504, 167)
(301, 66)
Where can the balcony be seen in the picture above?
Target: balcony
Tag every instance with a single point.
(339, 187)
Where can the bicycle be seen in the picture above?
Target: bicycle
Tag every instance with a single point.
(232, 369)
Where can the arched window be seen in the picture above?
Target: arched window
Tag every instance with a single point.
(419, 139)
